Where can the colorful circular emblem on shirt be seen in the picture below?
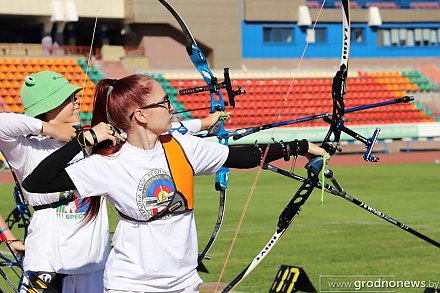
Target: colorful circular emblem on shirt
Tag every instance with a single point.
(155, 192)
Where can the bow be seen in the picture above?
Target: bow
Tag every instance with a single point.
(11, 263)
(20, 215)
(314, 167)
(34, 282)
(217, 104)
(336, 120)
(339, 88)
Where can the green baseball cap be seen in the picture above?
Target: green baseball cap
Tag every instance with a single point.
(44, 91)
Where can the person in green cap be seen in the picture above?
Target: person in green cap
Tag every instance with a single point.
(64, 247)
(61, 248)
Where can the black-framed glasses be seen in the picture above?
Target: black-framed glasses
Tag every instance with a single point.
(166, 100)
(72, 98)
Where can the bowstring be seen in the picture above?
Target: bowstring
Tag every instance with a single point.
(89, 58)
(260, 168)
(298, 66)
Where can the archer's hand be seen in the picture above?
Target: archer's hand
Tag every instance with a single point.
(17, 246)
(315, 151)
(212, 119)
(61, 131)
(104, 131)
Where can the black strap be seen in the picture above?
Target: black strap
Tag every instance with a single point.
(132, 219)
(153, 218)
(174, 207)
(53, 205)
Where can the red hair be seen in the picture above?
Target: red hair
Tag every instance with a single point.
(115, 100)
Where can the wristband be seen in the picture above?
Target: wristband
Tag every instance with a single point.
(95, 138)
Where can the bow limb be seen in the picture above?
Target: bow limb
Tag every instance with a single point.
(21, 212)
(10, 283)
(339, 86)
(217, 104)
(22, 207)
(21, 216)
(286, 218)
(11, 264)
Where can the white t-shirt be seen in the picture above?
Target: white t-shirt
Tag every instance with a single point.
(186, 127)
(158, 256)
(58, 240)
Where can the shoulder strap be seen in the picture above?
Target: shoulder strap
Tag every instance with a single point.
(183, 177)
(180, 168)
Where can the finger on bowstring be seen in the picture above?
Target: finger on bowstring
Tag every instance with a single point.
(112, 139)
(118, 135)
(115, 140)
(111, 132)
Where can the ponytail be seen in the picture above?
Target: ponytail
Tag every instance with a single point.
(99, 115)
(103, 91)
(115, 99)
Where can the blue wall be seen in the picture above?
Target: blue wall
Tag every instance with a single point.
(254, 47)
(363, 3)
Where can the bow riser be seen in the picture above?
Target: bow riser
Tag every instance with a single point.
(217, 104)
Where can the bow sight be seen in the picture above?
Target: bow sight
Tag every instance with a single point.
(215, 86)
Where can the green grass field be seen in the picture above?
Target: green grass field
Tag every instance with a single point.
(338, 238)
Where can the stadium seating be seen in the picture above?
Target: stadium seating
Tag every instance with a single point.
(272, 100)
(424, 5)
(268, 100)
(353, 5)
(383, 5)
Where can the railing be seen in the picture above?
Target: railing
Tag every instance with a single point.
(10, 49)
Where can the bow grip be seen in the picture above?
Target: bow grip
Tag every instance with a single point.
(222, 179)
(315, 165)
